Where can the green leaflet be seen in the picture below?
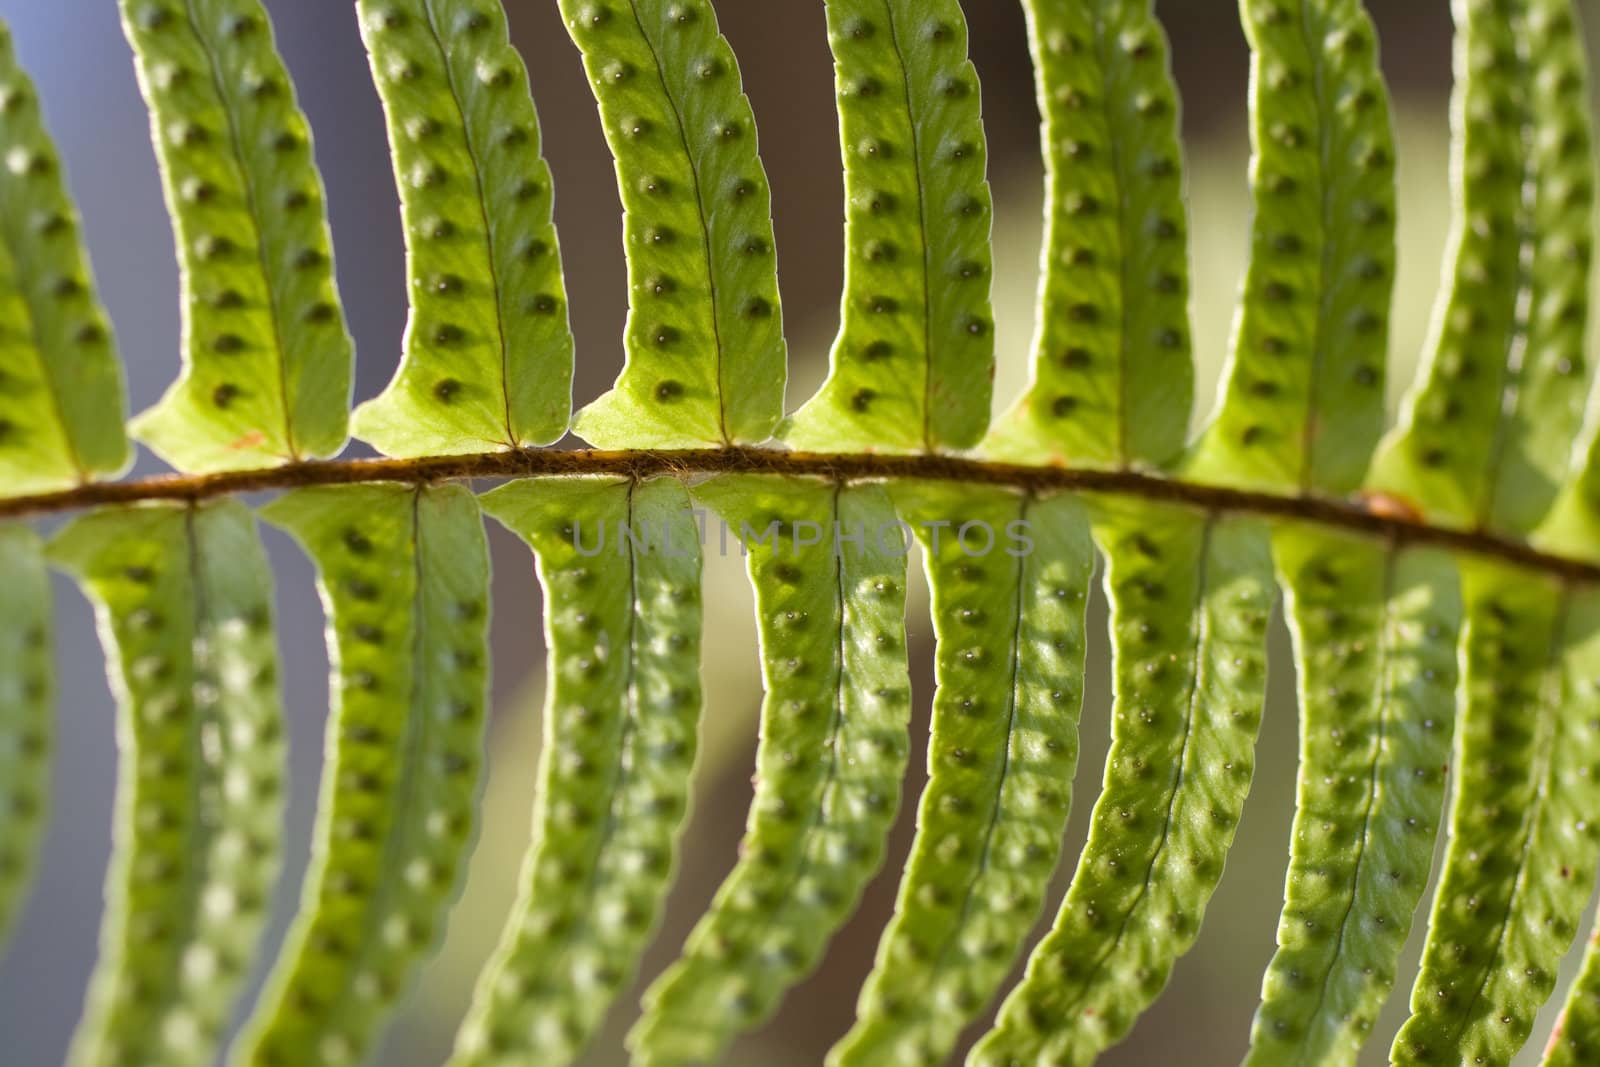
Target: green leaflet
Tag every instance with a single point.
(60, 383)
(1113, 381)
(1523, 843)
(705, 352)
(1303, 401)
(27, 706)
(1485, 436)
(1576, 1041)
(620, 565)
(912, 368)
(1010, 578)
(1552, 385)
(832, 753)
(1190, 597)
(488, 351)
(404, 578)
(266, 375)
(184, 601)
(1375, 631)
(1573, 527)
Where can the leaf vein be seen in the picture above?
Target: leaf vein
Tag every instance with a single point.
(1386, 644)
(705, 219)
(1191, 712)
(482, 203)
(1549, 703)
(247, 184)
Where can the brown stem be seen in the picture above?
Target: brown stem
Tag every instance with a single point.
(1341, 514)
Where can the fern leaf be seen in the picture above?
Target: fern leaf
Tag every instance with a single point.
(1302, 404)
(1009, 615)
(1573, 526)
(488, 351)
(403, 574)
(184, 601)
(1485, 438)
(828, 769)
(61, 396)
(1191, 595)
(1375, 636)
(266, 375)
(1523, 837)
(912, 368)
(1576, 1040)
(620, 564)
(26, 708)
(704, 340)
(1113, 381)
(1552, 384)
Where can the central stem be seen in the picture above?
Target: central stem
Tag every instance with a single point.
(1325, 511)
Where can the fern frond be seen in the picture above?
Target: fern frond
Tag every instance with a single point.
(1301, 407)
(913, 366)
(828, 769)
(489, 353)
(183, 598)
(1375, 630)
(1484, 438)
(1523, 839)
(620, 565)
(1010, 578)
(61, 402)
(1191, 595)
(403, 572)
(27, 729)
(706, 355)
(1476, 538)
(266, 375)
(1113, 381)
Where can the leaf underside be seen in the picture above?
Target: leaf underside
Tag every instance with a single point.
(1523, 842)
(61, 402)
(1484, 437)
(1010, 629)
(913, 366)
(1301, 405)
(704, 339)
(1577, 1037)
(27, 685)
(833, 750)
(488, 352)
(183, 598)
(1415, 664)
(1191, 596)
(620, 565)
(1113, 377)
(404, 575)
(266, 375)
(1375, 635)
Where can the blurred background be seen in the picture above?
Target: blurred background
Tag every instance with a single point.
(76, 52)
